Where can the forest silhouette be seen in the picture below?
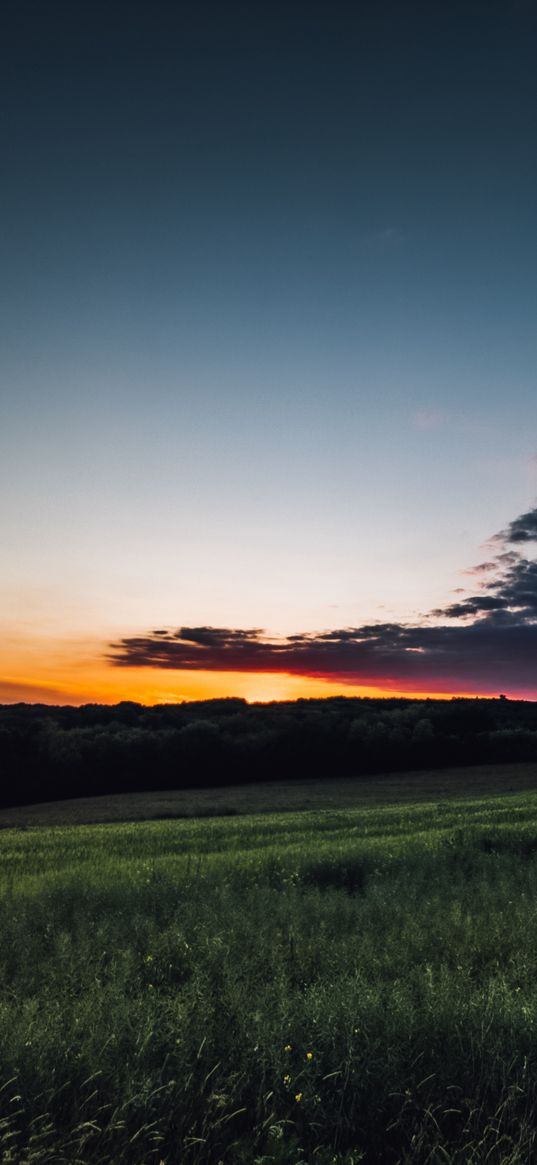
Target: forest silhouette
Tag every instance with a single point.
(48, 753)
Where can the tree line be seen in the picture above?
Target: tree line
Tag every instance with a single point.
(47, 753)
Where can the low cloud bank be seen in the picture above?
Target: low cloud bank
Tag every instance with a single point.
(486, 641)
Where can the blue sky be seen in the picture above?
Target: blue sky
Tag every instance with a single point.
(268, 303)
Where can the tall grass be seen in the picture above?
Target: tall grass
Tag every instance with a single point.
(321, 988)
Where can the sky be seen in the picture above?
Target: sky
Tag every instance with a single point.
(268, 279)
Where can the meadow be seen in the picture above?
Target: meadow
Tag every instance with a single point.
(326, 986)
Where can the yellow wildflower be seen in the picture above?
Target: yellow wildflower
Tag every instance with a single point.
(288, 1048)
(298, 1096)
(287, 1079)
(309, 1055)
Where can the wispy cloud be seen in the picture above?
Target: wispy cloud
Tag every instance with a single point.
(484, 642)
(27, 692)
(385, 239)
(427, 420)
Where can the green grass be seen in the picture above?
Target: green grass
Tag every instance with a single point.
(324, 987)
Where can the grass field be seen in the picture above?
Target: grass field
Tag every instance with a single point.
(326, 986)
(278, 796)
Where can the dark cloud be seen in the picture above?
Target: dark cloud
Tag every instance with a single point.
(220, 637)
(486, 641)
(521, 529)
(486, 655)
(472, 606)
(188, 648)
(513, 589)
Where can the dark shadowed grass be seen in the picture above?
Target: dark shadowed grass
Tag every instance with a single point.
(322, 987)
(279, 796)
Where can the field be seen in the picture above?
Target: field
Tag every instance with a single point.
(327, 986)
(278, 796)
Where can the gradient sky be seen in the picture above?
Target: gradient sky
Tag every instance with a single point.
(267, 344)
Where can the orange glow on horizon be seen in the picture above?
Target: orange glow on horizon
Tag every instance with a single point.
(105, 685)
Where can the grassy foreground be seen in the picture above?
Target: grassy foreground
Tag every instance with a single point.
(321, 987)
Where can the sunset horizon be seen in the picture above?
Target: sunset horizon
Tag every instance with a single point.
(486, 633)
(268, 352)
